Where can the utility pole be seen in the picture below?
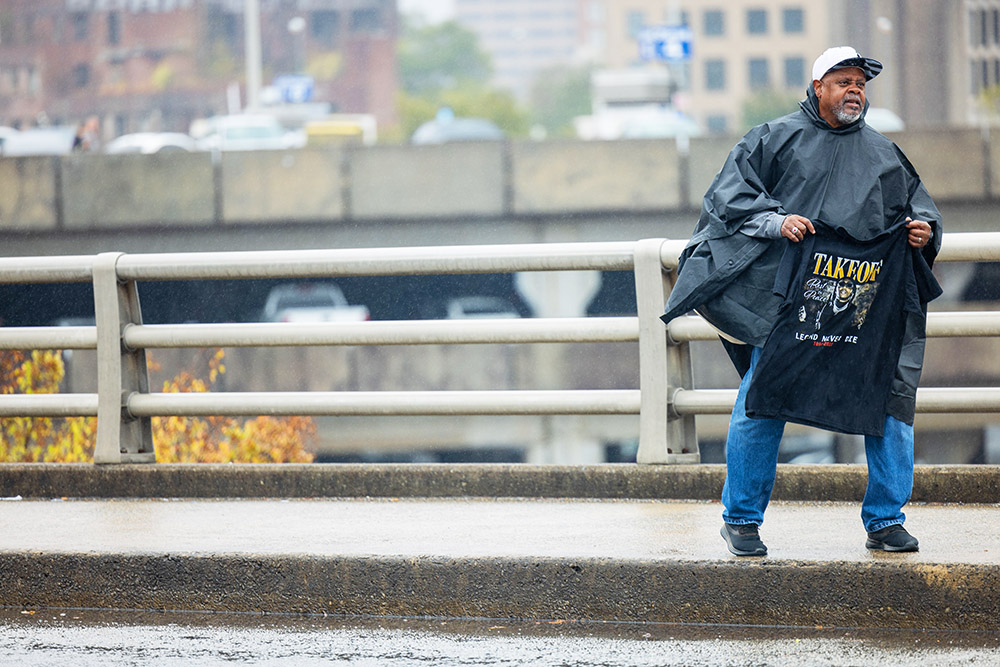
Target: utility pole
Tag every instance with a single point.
(252, 51)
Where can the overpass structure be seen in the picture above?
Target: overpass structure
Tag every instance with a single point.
(629, 542)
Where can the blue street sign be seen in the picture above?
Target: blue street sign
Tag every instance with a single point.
(671, 43)
(294, 88)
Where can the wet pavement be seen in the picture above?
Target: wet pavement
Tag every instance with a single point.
(89, 638)
(479, 528)
(611, 560)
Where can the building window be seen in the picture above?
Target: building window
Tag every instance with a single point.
(714, 23)
(757, 21)
(366, 20)
(715, 75)
(759, 76)
(34, 82)
(80, 25)
(223, 27)
(636, 22)
(717, 124)
(114, 28)
(671, 17)
(795, 72)
(793, 20)
(324, 27)
(81, 76)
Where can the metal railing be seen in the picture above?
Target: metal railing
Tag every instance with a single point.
(665, 400)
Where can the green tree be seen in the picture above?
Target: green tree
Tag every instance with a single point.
(766, 105)
(558, 95)
(443, 66)
(437, 57)
(466, 101)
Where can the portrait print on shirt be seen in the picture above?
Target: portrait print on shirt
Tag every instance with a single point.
(834, 286)
(830, 358)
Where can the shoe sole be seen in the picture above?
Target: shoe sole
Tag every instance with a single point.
(875, 544)
(739, 552)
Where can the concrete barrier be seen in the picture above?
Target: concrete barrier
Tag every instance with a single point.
(29, 194)
(840, 482)
(706, 158)
(787, 593)
(561, 176)
(173, 189)
(951, 163)
(281, 186)
(428, 181)
(486, 180)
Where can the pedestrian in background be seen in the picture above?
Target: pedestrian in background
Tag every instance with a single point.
(88, 136)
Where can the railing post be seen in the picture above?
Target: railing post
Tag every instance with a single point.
(121, 438)
(664, 436)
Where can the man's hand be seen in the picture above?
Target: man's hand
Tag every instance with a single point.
(795, 227)
(919, 233)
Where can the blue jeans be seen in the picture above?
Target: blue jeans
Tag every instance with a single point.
(752, 461)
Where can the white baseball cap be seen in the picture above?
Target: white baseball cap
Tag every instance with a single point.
(839, 57)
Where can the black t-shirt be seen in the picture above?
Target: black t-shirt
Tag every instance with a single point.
(831, 356)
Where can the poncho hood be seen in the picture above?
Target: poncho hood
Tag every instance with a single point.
(810, 107)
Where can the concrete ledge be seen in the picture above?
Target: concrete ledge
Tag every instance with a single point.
(165, 189)
(791, 593)
(945, 484)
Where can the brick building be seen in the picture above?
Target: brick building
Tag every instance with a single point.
(158, 64)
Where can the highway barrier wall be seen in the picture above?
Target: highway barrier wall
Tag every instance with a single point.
(477, 180)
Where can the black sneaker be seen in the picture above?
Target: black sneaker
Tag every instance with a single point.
(743, 539)
(892, 538)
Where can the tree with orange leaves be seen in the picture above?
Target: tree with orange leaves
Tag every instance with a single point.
(176, 439)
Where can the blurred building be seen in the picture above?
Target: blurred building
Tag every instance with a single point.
(158, 64)
(523, 37)
(940, 55)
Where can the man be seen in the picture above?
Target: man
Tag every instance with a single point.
(820, 169)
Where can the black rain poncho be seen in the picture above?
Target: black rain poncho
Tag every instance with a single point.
(850, 177)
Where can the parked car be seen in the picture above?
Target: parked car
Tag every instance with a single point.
(311, 302)
(56, 140)
(441, 131)
(471, 307)
(884, 120)
(5, 132)
(245, 132)
(151, 142)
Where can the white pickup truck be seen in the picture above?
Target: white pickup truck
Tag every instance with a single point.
(311, 302)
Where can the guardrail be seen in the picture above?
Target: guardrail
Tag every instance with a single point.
(665, 400)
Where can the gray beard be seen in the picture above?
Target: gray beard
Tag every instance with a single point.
(845, 117)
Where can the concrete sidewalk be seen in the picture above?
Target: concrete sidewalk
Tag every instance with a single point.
(624, 560)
